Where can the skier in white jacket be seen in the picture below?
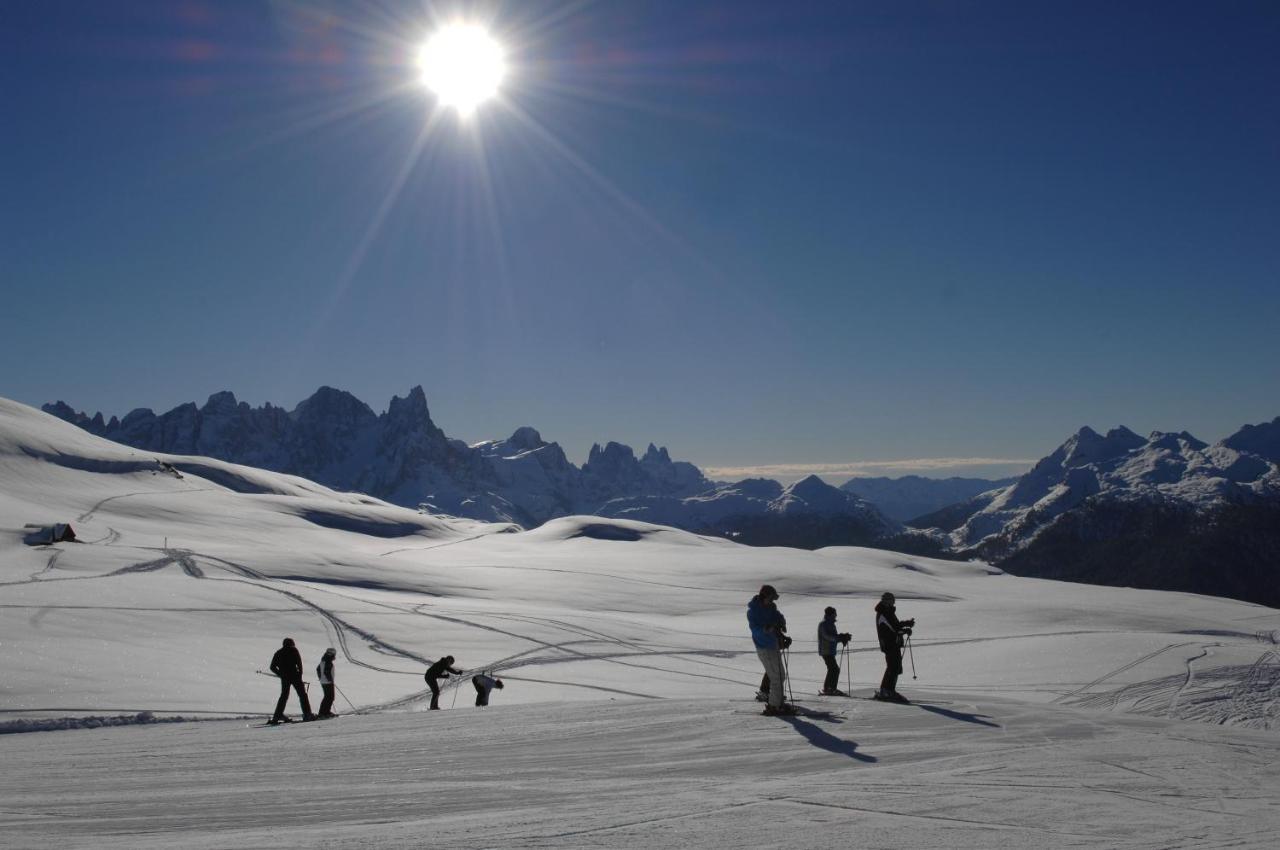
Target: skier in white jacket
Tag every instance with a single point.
(324, 672)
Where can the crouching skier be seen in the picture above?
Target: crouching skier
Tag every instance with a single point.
(440, 670)
(829, 641)
(324, 673)
(890, 630)
(766, 633)
(484, 683)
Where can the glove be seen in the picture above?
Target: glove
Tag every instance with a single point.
(906, 631)
(910, 624)
(786, 641)
(845, 637)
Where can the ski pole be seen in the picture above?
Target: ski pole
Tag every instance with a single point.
(344, 696)
(848, 674)
(911, 652)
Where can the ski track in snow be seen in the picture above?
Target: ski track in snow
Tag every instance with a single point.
(1254, 690)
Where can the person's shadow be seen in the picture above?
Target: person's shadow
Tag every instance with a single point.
(823, 739)
(958, 715)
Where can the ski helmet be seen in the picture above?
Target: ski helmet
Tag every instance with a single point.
(829, 611)
(288, 641)
(767, 591)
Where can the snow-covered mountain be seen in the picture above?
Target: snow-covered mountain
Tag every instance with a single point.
(627, 719)
(1168, 511)
(403, 457)
(914, 496)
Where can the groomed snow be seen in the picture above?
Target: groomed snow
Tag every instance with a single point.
(1060, 714)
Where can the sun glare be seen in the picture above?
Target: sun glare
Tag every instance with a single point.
(463, 65)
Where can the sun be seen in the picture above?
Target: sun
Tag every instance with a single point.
(463, 65)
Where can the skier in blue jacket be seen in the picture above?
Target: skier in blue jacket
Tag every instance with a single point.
(767, 624)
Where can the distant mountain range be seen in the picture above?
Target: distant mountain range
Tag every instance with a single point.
(401, 456)
(912, 496)
(1167, 511)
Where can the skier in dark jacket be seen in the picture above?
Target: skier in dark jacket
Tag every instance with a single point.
(324, 673)
(890, 630)
(829, 642)
(766, 624)
(484, 683)
(287, 664)
(440, 670)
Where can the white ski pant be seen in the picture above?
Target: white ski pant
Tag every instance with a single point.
(772, 661)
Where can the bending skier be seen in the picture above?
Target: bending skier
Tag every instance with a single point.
(829, 641)
(440, 670)
(890, 631)
(324, 673)
(287, 664)
(767, 624)
(484, 683)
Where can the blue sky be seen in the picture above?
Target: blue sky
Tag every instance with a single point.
(757, 233)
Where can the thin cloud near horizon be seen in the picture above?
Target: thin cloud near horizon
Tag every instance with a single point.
(866, 468)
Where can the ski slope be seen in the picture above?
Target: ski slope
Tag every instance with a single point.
(1067, 715)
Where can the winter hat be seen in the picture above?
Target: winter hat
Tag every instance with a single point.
(498, 683)
(829, 611)
(767, 591)
(887, 597)
(330, 652)
(288, 641)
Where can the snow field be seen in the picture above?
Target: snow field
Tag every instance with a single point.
(1059, 714)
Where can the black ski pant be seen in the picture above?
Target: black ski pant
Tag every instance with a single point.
(296, 684)
(434, 684)
(833, 673)
(764, 684)
(326, 704)
(482, 693)
(892, 670)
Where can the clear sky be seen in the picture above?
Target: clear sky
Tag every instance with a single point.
(757, 233)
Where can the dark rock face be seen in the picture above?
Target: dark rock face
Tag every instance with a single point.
(1228, 550)
(401, 455)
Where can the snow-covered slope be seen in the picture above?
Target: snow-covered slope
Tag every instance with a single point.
(627, 718)
(198, 577)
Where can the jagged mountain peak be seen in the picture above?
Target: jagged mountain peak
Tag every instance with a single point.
(329, 404)
(221, 401)
(526, 438)
(1178, 441)
(655, 455)
(1262, 440)
(412, 407)
(1088, 446)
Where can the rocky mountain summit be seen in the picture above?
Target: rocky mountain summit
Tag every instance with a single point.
(403, 457)
(1168, 511)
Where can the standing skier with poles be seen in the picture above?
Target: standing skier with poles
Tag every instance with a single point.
(828, 641)
(440, 670)
(890, 631)
(287, 664)
(766, 633)
(324, 673)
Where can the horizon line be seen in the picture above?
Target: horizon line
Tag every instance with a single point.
(861, 469)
